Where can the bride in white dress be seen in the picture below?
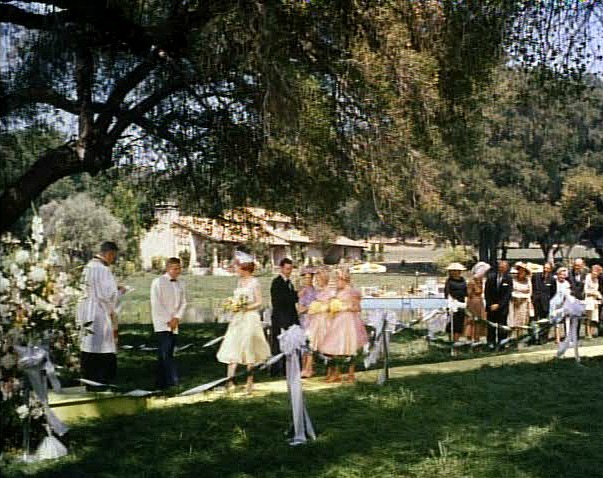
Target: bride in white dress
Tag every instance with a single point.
(244, 342)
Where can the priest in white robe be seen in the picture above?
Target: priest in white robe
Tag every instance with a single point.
(97, 317)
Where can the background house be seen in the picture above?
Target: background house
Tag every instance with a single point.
(210, 243)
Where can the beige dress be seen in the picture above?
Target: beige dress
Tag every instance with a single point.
(519, 309)
(476, 307)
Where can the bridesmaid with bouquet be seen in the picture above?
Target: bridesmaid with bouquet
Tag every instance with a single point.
(346, 334)
(317, 318)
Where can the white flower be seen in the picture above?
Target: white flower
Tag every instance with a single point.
(53, 258)
(37, 229)
(37, 412)
(21, 257)
(23, 411)
(4, 284)
(8, 361)
(37, 274)
(15, 270)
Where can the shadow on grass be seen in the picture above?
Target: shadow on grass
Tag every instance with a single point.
(516, 421)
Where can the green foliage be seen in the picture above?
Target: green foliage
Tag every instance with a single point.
(464, 255)
(78, 225)
(158, 264)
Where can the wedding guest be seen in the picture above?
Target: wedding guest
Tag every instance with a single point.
(562, 289)
(284, 312)
(244, 342)
(318, 317)
(521, 296)
(544, 287)
(346, 334)
(307, 295)
(475, 302)
(576, 278)
(455, 288)
(498, 289)
(97, 317)
(168, 303)
(592, 300)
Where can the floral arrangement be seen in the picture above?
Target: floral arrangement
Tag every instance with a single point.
(37, 308)
(335, 306)
(235, 304)
(318, 307)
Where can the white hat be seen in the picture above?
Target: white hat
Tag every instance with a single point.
(456, 266)
(480, 268)
(244, 258)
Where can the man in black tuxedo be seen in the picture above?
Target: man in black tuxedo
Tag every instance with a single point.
(576, 278)
(284, 311)
(544, 287)
(499, 286)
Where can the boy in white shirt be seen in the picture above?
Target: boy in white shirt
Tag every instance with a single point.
(167, 308)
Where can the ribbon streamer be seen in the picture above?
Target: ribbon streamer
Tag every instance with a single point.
(33, 361)
(214, 341)
(291, 342)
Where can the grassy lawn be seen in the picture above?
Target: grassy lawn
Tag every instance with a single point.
(525, 421)
(207, 292)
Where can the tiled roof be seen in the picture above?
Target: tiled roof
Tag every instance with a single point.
(256, 214)
(347, 242)
(227, 232)
(290, 235)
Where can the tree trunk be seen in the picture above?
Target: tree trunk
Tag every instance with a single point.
(488, 244)
(51, 166)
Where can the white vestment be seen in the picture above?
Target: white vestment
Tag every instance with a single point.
(94, 311)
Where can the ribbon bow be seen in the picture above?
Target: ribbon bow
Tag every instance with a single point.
(34, 360)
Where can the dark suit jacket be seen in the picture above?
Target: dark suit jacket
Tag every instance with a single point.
(543, 289)
(284, 298)
(498, 295)
(577, 286)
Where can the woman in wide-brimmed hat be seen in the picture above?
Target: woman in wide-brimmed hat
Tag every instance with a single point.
(456, 289)
(521, 299)
(476, 306)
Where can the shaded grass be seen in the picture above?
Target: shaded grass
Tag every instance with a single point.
(529, 421)
(197, 365)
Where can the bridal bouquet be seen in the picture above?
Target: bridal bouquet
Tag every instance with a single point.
(235, 304)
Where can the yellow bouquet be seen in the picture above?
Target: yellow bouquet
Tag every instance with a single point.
(335, 306)
(235, 304)
(318, 307)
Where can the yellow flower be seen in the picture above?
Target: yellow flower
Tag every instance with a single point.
(318, 307)
(335, 306)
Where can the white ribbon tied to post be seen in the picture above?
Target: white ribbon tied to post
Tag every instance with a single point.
(291, 342)
(33, 361)
(384, 322)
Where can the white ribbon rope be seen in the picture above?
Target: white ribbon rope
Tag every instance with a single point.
(291, 342)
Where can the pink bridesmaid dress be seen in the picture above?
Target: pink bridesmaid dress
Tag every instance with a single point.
(346, 333)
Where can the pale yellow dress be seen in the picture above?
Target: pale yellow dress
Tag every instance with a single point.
(244, 342)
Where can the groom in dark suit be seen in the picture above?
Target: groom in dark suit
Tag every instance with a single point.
(284, 310)
(499, 286)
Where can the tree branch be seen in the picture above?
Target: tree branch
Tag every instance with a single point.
(40, 95)
(51, 166)
(121, 90)
(130, 116)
